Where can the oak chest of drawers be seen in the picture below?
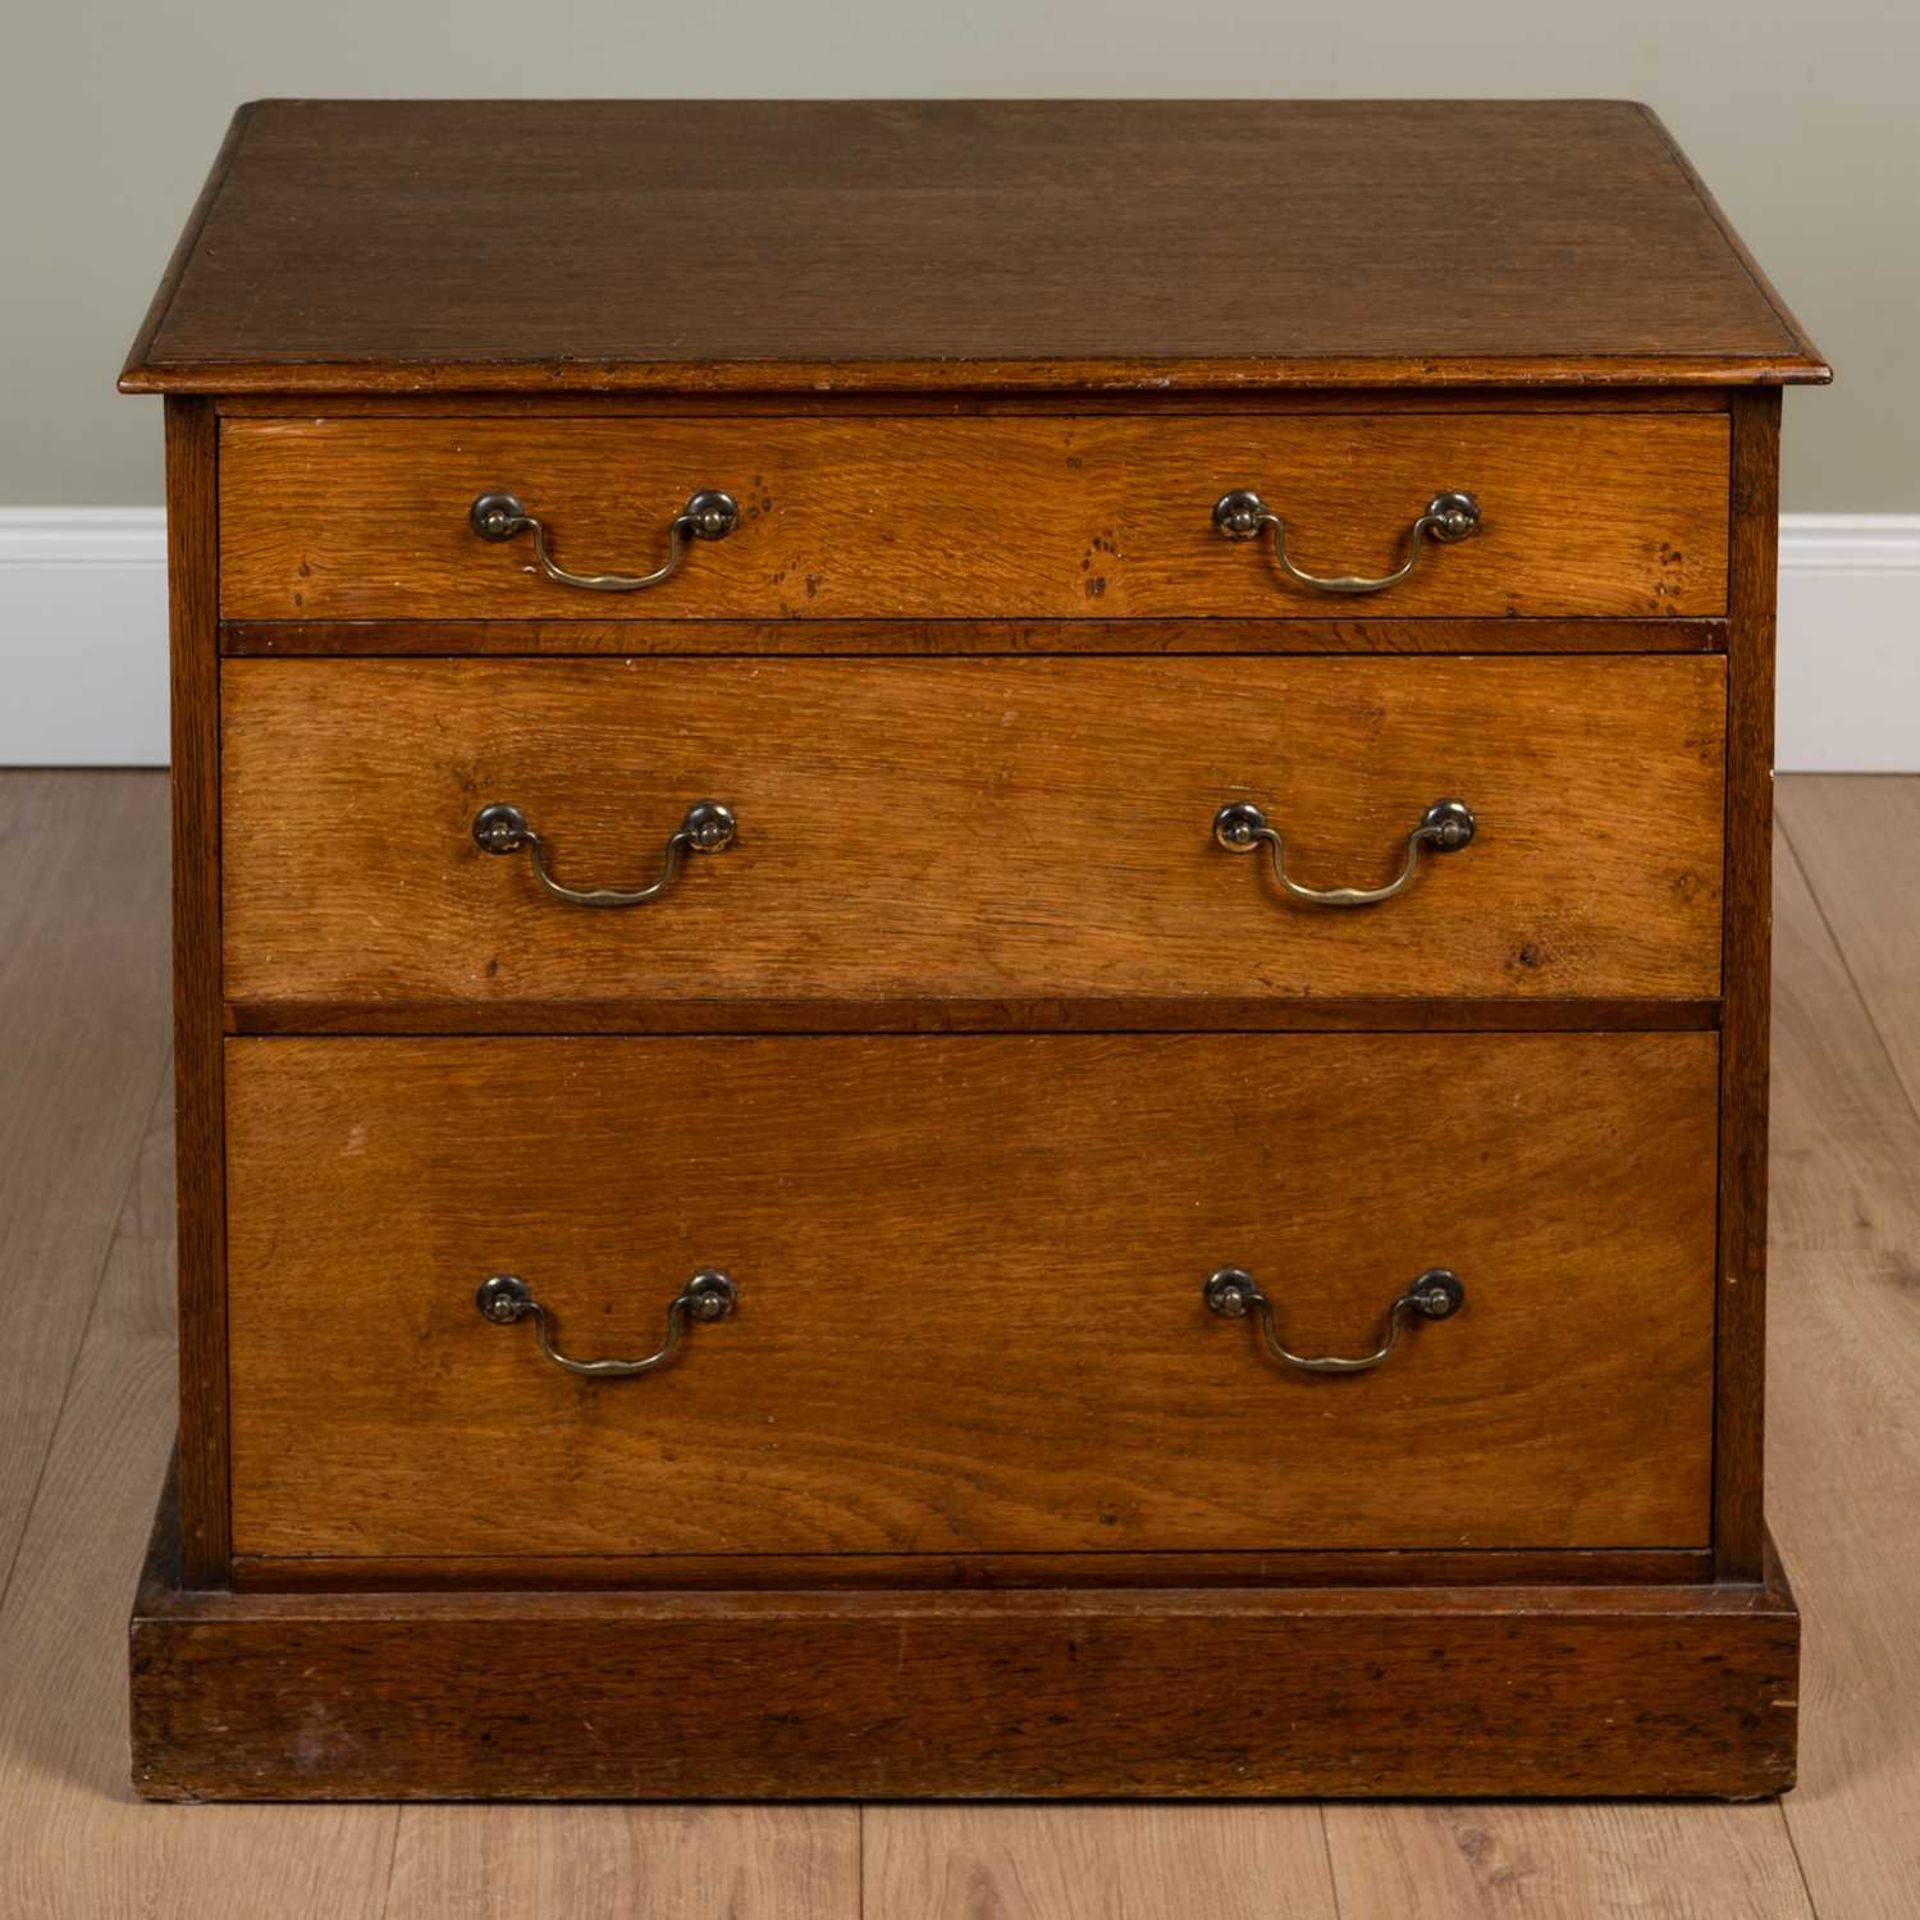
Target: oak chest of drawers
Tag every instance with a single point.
(972, 914)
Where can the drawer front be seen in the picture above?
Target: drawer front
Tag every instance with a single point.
(972, 829)
(969, 1280)
(1019, 517)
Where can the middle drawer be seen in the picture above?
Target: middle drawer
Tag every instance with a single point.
(978, 829)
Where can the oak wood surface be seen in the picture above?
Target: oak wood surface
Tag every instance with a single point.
(1385, 1567)
(298, 639)
(1837, 824)
(969, 831)
(1006, 517)
(183, 248)
(1596, 1858)
(1844, 1332)
(77, 1844)
(82, 1053)
(1739, 1523)
(625, 1863)
(1674, 1690)
(1845, 1142)
(1754, 271)
(916, 1368)
(903, 1013)
(688, 245)
(1162, 402)
(192, 586)
(1844, 1467)
(1139, 1862)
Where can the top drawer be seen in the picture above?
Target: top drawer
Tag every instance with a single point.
(1020, 516)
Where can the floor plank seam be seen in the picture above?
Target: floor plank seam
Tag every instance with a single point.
(98, 1284)
(1326, 1850)
(1799, 1865)
(393, 1863)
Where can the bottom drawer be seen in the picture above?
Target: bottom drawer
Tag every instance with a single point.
(968, 1279)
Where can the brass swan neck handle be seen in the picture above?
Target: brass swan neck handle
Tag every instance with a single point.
(1234, 1294)
(708, 515)
(1445, 827)
(1450, 516)
(506, 1299)
(706, 827)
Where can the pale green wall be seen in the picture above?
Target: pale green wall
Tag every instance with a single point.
(1804, 119)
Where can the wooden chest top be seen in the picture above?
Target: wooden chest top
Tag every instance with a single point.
(367, 246)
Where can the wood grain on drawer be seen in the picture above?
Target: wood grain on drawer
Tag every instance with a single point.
(1037, 517)
(971, 829)
(970, 1276)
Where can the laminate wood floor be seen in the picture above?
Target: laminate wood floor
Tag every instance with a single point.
(86, 1408)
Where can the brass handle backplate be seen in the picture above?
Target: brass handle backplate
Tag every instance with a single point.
(708, 827)
(506, 1298)
(1445, 827)
(1233, 1294)
(708, 515)
(1450, 517)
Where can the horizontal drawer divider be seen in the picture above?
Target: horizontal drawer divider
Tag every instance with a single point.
(805, 1017)
(1368, 1567)
(865, 639)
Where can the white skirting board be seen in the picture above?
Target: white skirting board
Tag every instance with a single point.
(1847, 694)
(83, 637)
(83, 640)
